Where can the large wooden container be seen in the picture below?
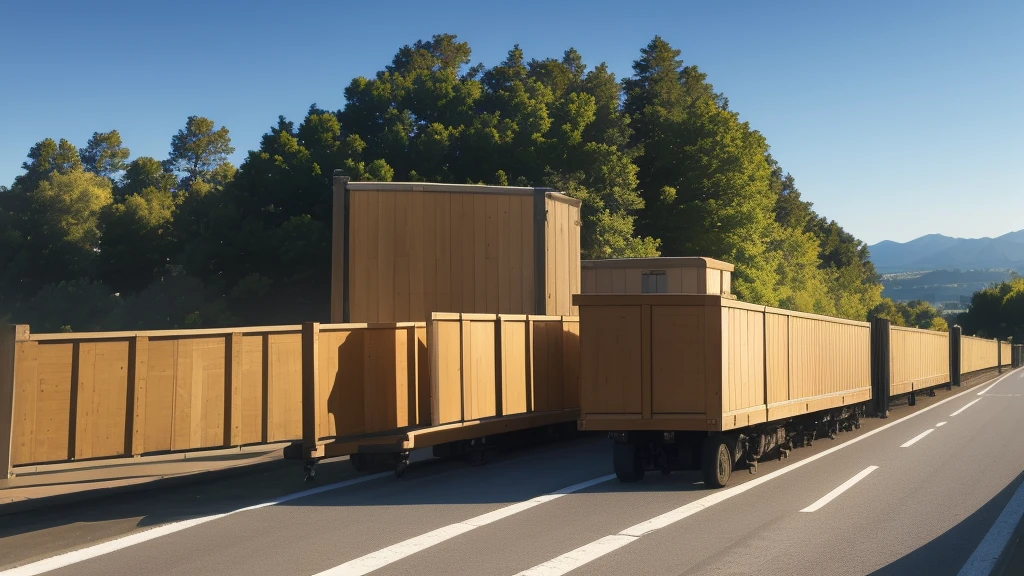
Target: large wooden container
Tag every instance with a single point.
(685, 275)
(710, 363)
(918, 359)
(404, 250)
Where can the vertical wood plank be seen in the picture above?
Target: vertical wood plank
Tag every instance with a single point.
(645, 361)
(386, 258)
(443, 254)
(423, 377)
(515, 264)
(403, 264)
(412, 373)
(195, 423)
(76, 395)
(339, 246)
(233, 426)
(479, 245)
(504, 256)
(530, 225)
(499, 381)
(575, 226)
(310, 385)
(24, 404)
(424, 271)
(550, 256)
(9, 337)
(531, 405)
(491, 253)
(139, 376)
(563, 300)
(462, 252)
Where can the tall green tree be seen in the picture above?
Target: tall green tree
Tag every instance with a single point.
(703, 174)
(135, 247)
(142, 173)
(199, 148)
(429, 116)
(104, 154)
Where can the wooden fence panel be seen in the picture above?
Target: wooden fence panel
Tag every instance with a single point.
(1005, 354)
(918, 359)
(829, 362)
(978, 354)
(101, 395)
(548, 373)
(571, 361)
(515, 373)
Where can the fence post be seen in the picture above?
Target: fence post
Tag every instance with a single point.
(138, 372)
(310, 388)
(955, 334)
(880, 366)
(999, 356)
(9, 337)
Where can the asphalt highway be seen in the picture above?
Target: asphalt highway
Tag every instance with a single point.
(930, 490)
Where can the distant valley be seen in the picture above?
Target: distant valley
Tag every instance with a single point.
(944, 270)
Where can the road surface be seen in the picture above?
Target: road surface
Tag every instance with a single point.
(922, 492)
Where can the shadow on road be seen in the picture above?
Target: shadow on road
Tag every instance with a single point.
(947, 553)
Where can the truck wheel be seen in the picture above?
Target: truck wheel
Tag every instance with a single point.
(626, 462)
(716, 462)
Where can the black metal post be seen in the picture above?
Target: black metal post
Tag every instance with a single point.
(880, 366)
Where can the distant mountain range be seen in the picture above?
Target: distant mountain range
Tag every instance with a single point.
(938, 252)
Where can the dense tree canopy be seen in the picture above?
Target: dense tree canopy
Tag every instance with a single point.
(660, 162)
(997, 311)
(915, 314)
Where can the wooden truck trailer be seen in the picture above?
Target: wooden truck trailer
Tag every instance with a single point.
(686, 381)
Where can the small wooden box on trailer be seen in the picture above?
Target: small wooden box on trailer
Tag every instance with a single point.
(672, 275)
(402, 251)
(704, 381)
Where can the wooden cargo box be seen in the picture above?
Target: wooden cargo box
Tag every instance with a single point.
(404, 250)
(685, 275)
(693, 362)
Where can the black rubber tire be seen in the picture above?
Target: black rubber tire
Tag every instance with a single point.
(716, 462)
(627, 463)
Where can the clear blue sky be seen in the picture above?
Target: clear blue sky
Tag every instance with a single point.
(897, 119)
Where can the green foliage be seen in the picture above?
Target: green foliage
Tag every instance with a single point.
(90, 239)
(104, 155)
(430, 117)
(143, 173)
(199, 148)
(997, 311)
(915, 314)
(135, 246)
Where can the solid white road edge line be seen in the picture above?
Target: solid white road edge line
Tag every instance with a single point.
(983, 560)
(969, 404)
(820, 503)
(384, 556)
(82, 554)
(940, 424)
(914, 440)
(997, 382)
(588, 553)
